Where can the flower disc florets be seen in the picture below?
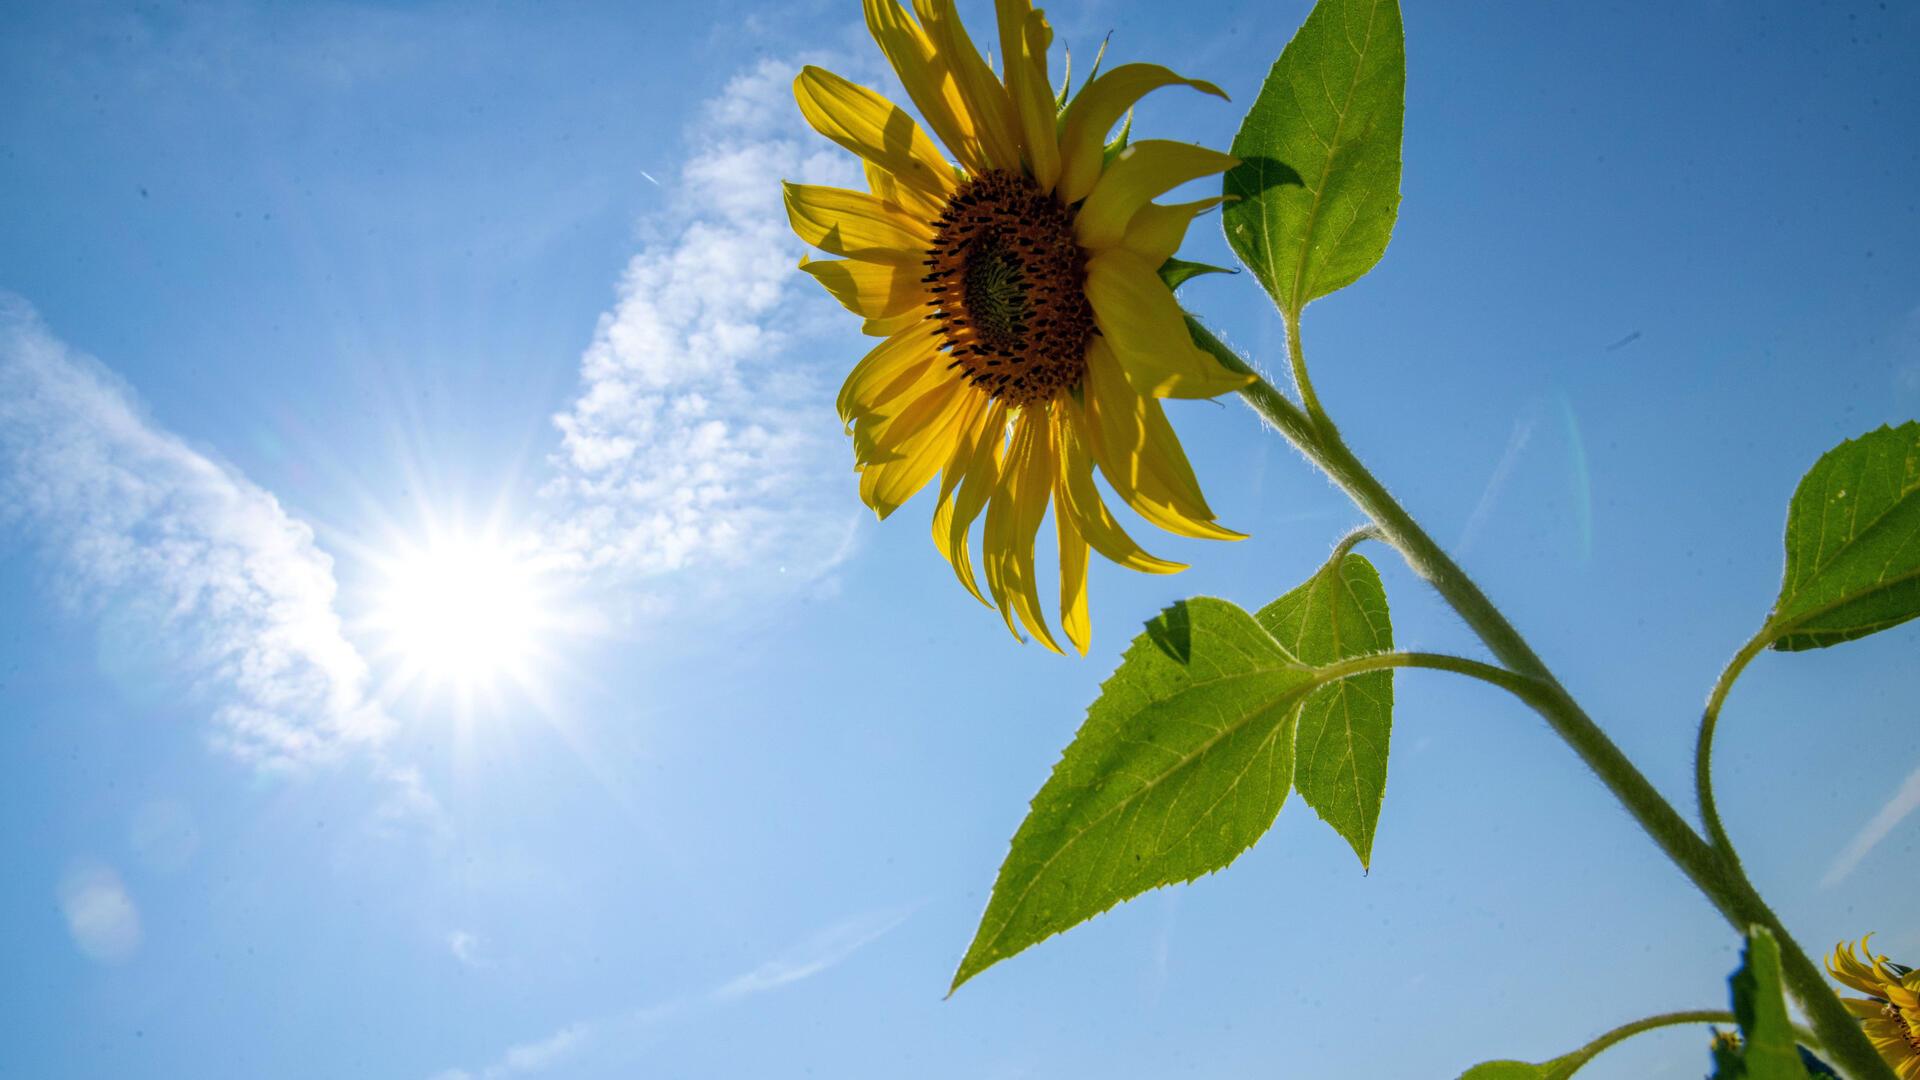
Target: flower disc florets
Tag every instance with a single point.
(1009, 287)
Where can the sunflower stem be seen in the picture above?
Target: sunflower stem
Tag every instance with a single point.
(1719, 879)
(1297, 360)
(1703, 746)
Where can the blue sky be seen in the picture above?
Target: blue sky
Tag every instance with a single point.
(301, 298)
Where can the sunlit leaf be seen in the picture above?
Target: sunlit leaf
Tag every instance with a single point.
(1853, 543)
(1183, 762)
(1312, 204)
(1340, 766)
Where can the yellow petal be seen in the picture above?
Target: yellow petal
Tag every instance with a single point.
(1139, 319)
(893, 324)
(1156, 231)
(1076, 496)
(1136, 449)
(888, 485)
(855, 224)
(972, 471)
(983, 98)
(870, 290)
(889, 370)
(1143, 172)
(878, 439)
(888, 188)
(1073, 582)
(1013, 519)
(1093, 112)
(1024, 40)
(928, 77)
(874, 128)
(981, 481)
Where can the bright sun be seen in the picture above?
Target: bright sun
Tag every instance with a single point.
(470, 613)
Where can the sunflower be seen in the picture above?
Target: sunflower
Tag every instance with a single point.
(1890, 1013)
(1028, 333)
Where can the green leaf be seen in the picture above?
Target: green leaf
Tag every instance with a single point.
(1312, 203)
(1767, 1050)
(1341, 748)
(1182, 763)
(1853, 543)
(1177, 272)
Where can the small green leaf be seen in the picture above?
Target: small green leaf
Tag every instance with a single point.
(1853, 543)
(1341, 748)
(1312, 203)
(1767, 1050)
(1183, 762)
(1177, 272)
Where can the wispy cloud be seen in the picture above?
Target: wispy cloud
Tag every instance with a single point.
(1904, 802)
(152, 535)
(818, 953)
(465, 948)
(702, 433)
(822, 951)
(1502, 472)
(698, 453)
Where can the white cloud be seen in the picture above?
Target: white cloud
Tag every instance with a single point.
(818, 953)
(703, 433)
(1503, 471)
(150, 533)
(183, 561)
(465, 948)
(822, 951)
(527, 1058)
(538, 1056)
(1904, 802)
(102, 918)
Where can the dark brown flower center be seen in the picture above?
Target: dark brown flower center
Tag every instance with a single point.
(1906, 1029)
(1009, 287)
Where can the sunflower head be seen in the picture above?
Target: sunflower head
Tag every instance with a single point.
(1890, 1013)
(1027, 335)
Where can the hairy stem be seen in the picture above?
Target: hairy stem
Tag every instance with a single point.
(1719, 879)
(1347, 543)
(1703, 747)
(1297, 361)
(1624, 1032)
(1520, 686)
